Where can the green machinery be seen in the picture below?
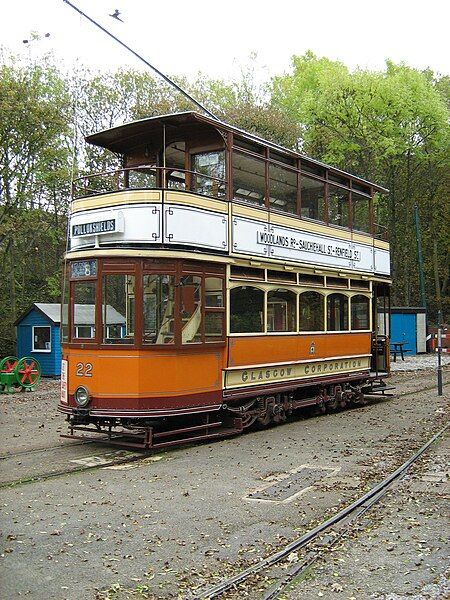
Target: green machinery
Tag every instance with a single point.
(19, 374)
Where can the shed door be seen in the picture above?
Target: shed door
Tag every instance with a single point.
(404, 330)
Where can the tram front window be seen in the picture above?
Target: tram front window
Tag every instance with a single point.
(118, 313)
(209, 168)
(159, 300)
(191, 309)
(83, 321)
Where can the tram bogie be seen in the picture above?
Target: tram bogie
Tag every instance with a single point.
(224, 283)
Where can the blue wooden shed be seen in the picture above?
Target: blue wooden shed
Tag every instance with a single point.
(38, 336)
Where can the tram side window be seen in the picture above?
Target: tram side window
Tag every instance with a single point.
(282, 189)
(360, 212)
(158, 305)
(249, 179)
(337, 312)
(209, 168)
(118, 313)
(281, 310)
(312, 195)
(83, 321)
(360, 312)
(311, 311)
(191, 309)
(338, 206)
(246, 310)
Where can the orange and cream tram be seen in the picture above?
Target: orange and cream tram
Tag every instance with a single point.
(216, 280)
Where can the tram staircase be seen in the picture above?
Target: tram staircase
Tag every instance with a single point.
(191, 324)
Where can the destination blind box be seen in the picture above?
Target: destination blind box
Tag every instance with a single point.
(95, 228)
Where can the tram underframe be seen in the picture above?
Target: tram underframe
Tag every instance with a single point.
(233, 418)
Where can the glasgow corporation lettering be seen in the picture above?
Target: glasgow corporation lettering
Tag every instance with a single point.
(298, 243)
(107, 226)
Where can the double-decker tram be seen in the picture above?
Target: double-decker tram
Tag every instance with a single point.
(214, 281)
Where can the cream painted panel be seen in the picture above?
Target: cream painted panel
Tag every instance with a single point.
(195, 227)
(134, 224)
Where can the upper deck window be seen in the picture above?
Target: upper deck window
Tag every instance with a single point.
(338, 201)
(283, 158)
(312, 198)
(282, 189)
(249, 179)
(209, 168)
(312, 168)
(360, 212)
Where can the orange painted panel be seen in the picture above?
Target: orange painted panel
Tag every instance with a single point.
(133, 373)
(284, 348)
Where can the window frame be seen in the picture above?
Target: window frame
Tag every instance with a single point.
(45, 350)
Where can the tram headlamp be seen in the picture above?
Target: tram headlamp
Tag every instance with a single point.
(82, 396)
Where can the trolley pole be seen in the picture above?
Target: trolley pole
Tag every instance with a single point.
(439, 350)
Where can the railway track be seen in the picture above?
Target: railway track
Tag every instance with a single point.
(338, 525)
(116, 458)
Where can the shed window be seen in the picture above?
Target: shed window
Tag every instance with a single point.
(42, 339)
(311, 311)
(337, 312)
(246, 310)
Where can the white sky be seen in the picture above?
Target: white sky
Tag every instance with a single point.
(217, 38)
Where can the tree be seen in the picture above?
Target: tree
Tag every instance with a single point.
(35, 157)
(390, 127)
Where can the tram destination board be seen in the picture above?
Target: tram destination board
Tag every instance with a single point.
(94, 228)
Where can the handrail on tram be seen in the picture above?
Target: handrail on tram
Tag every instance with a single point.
(119, 180)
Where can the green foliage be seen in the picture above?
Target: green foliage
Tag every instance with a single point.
(390, 127)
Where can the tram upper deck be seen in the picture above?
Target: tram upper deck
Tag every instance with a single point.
(193, 185)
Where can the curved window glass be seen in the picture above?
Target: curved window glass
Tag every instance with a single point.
(118, 309)
(337, 312)
(83, 316)
(246, 310)
(158, 308)
(311, 311)
(191, 309)
(360, 312)
(281, 310)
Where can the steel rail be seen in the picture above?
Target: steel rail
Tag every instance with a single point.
(220, 588)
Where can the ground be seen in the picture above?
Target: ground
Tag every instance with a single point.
(84, 521)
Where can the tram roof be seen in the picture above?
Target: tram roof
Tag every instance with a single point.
(126, 137)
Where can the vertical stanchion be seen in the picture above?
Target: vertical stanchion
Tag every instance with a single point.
(439, 350)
